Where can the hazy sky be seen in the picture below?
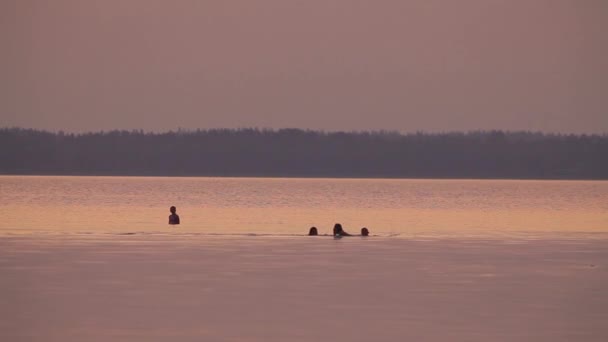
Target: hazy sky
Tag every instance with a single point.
(430, 65)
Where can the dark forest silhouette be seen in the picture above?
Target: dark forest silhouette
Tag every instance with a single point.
(303, 153)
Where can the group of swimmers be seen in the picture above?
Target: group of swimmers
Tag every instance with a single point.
(338, 231)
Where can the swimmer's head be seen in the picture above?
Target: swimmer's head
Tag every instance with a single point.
(172, 209)
(364, 231)
(313, 231)
(337, 229)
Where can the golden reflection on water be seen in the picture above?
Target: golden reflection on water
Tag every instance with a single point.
(291, 206)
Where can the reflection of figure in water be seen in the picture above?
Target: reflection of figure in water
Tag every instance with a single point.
(313, 231)
(173, 218)
(364, 232)
(338, 231)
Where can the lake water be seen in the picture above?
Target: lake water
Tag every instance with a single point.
(288, 206)
(93, 259)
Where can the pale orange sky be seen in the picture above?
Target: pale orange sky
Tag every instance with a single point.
(431, 65)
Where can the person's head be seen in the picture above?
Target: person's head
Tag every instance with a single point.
(172, 209)
(313, 231)
(364, 231)
(337, 229)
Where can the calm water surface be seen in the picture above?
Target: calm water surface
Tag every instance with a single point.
(283, 206)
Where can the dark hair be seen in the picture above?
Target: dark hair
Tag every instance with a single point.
(337, 229)
(313, 231)
(172, 209)
(364, 231)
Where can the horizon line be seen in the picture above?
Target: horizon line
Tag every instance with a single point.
(322, 131)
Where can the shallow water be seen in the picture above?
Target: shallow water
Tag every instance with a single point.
(232, 289)
(93, 259)
(288, 206)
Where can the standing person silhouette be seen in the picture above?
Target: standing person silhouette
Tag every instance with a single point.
(173, 218)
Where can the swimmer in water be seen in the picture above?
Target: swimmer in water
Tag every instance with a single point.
(173, 218)
(313, 231)
(338, 231)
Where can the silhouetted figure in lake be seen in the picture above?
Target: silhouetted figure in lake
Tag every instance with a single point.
(313, 231)
(338, 231)
(173, 218)
(364, 232)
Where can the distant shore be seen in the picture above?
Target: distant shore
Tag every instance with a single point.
(291, 177)
(306, 154)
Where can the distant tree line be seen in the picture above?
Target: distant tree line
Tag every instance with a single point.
(305, 153)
